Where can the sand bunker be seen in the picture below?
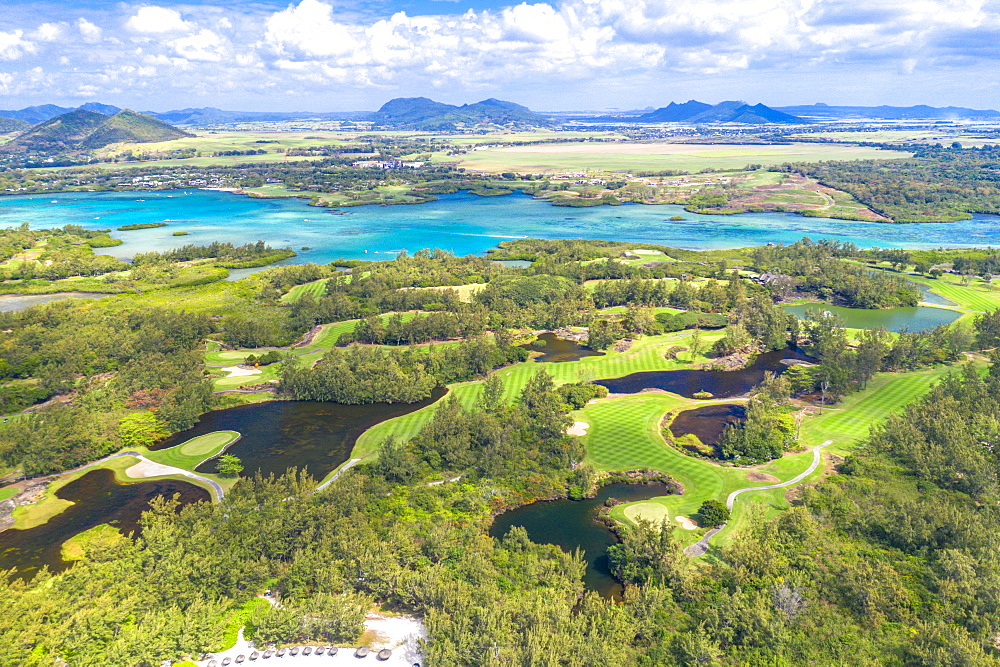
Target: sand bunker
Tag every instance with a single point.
(144, 469)
(686, 523)
(578, 428)
(241, 371)
(645, 251)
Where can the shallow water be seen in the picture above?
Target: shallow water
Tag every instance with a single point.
(557, 350)
(98, 498)
(570, 525)
(919, 318)
(13, 303)
(721, 384)
(462, 223)
(278, 435)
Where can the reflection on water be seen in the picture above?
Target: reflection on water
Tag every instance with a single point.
(918, 318)
(278, 435)
(570, 525)
(721, 384)
(556, 349)
(97, 498)
(708, 421)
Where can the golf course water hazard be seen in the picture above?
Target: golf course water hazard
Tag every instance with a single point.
(916, 319)
(721, 384)
(570, 525)
(708, 421)
(97, 498)
(555, 349)
(278, 435)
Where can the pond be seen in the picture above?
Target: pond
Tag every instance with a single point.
(570, 525)
(707, 421)
(721, 384)
(13, 303)
(556, 350)
(98, 498)
(918, 318)
(278, 435)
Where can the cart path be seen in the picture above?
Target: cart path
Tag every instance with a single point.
(700, 547)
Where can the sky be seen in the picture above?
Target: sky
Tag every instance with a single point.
(349, 55)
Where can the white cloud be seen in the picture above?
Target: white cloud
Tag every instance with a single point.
(48, 32)
(91, 33)
(14, 46)
(157, 20)
(204, 46)
(309, 29)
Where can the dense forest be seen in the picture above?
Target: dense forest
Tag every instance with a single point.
(888, 559)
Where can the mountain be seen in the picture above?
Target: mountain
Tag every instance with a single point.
(106, 109)
(8, 125)
(918, 112)
(421, 113)
(37, 114)
(730, 111)
(86, 130)
(674, 112)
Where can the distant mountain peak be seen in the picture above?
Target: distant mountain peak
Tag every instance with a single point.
(422, 113)
(729, 111)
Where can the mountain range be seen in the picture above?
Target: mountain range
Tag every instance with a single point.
(694, 111)
(919, 112)
(82, 130)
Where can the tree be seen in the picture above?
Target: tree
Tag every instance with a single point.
(713, 513)
(141, 429)
(229, 465)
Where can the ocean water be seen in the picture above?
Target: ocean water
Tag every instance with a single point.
(461, 223)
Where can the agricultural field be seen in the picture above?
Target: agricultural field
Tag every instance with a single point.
(635, 156)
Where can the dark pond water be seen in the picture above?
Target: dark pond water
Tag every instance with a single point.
(98, 498)
(708, 421)
(919, 318)
(278, 435)
(570, 525)
(558, 349)
(721, 384)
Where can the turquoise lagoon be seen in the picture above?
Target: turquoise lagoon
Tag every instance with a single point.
(462, 223)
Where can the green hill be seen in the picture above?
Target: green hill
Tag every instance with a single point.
(421, 113)
(11, 125)
(82, 130)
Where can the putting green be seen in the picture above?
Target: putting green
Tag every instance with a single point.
(208, 443)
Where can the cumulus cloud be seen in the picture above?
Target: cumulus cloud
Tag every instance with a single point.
(154, 20)
(308, 29)
(541, 41)
(14, 46)
(91, 32)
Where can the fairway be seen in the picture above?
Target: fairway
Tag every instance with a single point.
(629, 156)
(208, 443)
(315, 289)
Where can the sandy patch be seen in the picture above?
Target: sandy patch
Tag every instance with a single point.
(241, 371)
(645, 251)
(686, 523)
(145, 468)
(578, 428)
(755, 476)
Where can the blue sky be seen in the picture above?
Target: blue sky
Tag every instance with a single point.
(557, 55)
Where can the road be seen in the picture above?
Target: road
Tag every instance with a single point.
(700, 548)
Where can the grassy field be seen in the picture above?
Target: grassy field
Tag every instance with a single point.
(8, 492)
(315, 289)
(977, 296)
(625, 157)
(190, 454)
